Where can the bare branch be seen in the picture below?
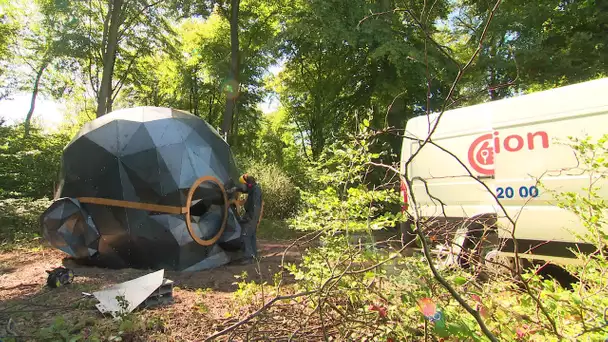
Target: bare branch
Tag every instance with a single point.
(120, 83)
(258, 312)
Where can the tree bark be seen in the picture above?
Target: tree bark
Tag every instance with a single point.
(30, 113)
(235, 127)
(104, 98)
(210, 114)
(195, 91)
(231, 100)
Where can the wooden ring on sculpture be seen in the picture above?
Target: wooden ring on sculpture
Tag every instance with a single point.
(219, 233)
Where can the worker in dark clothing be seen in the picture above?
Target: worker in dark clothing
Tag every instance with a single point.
(250, 220)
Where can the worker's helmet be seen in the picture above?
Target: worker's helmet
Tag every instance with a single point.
(247, 179)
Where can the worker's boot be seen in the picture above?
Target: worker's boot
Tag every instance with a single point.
(246, 261)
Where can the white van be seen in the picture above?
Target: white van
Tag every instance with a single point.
(508, 145)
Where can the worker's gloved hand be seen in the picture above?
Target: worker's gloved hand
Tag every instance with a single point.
(237, 188)
(231, 192)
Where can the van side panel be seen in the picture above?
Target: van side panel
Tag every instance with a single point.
(536, 173)
(513, 147)
(448, 181)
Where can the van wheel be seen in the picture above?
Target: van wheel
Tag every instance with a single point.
(473, 242)
(408, 236)
(497, 264)
(448, 253)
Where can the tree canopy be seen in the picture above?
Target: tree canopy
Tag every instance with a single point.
(338, 62)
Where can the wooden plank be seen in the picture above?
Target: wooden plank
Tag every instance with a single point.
(167, 209)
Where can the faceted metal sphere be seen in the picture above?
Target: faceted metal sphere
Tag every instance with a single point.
(146, 155)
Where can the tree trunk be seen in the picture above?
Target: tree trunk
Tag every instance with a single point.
(104, 99)
(234, 68)
(195, 86)
(493, 95)
(30, 113)
(210, 114)
(235, 126)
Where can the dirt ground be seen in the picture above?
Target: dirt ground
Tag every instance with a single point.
(204, 301)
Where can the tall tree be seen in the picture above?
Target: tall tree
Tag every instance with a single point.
(48, 38)
(232, 90)
(115, 18)
(232, 11)
(341, 68)
(529, 45)
(119, 32)
(199, 78)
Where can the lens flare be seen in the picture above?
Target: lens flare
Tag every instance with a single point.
(230, 87)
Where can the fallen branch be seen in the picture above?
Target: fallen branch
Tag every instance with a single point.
(18, 286)
(257, 313)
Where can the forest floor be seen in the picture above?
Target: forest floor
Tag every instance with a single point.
(204, 302)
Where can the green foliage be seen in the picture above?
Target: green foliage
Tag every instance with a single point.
(8, 32)
(246, 294)
(342, 198)
(72, 329)
(199, 305)
(589, 205)
(276, 144)
(274, 230)
(391, 308)
(339, 67)
(197, 77)
(522, 38)
(281, 197)
(379, 294)
(29, 167)
(19, 220)
(60, 330)
(48, 46)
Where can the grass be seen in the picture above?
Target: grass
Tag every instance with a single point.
(19, 222)
(276, 230)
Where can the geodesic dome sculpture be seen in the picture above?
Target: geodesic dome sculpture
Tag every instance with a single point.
(127, 183)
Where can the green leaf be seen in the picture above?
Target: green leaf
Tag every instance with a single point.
(460, 280)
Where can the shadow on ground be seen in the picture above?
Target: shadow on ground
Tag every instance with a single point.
(22, 272)
(30, 305)
(217, 279)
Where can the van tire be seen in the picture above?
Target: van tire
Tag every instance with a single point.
(481, 237)
(407, 234)
(504, 267)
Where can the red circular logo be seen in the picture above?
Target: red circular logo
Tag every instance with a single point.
(481, 155)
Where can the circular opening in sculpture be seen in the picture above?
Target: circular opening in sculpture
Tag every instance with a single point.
(207, 207)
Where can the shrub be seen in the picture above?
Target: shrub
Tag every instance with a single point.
(19, 219)
(342, 195)
(29, 167)
(281, 197)
(364, 293)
